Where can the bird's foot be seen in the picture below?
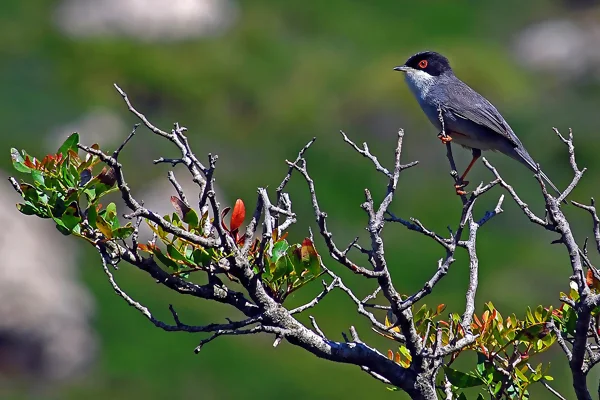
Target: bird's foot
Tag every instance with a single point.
(444, 138)
(460, 187)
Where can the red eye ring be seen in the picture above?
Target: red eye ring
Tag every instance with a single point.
(423, 64)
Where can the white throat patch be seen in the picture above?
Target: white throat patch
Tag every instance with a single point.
(419, 82)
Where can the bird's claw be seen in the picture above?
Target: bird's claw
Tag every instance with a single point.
(460, 186)
(444, 138)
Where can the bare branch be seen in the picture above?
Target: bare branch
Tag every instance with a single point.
(236, 332)
(415, 225)
(473, 275)
(335, 252)
(116, 153)
(365, 152)
(15, 185)
(592, 210)
(139, 210)
(577, 172)
(316, 300)
(178, 188)
(532, 217)
(169, 328)
(317, 329)
(286, 179)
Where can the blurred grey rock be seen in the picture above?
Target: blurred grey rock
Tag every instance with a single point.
(554, 46)
(145, 20)
(568, 48)
(45, 332)
(98, 126)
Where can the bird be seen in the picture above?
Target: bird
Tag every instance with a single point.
(469, 119)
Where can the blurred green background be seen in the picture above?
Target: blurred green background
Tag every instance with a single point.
(255, 92)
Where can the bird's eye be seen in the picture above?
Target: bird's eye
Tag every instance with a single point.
(423, 64)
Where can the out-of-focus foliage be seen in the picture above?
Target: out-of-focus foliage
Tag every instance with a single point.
(285, 72)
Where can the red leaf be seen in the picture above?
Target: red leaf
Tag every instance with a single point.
(440, 308)
(238, 215)
(147, 248)
(28, 162)
(107, 176)
(308, 250)
(180, 207)
(591, 281)
(223, 215)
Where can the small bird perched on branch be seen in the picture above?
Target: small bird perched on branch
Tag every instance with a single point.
(469, 119)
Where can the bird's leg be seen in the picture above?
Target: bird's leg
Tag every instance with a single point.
(461, 183)
(445, 138)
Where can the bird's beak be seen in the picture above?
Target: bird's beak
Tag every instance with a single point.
(401, 68)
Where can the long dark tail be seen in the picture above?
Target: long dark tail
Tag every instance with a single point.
(520, 154)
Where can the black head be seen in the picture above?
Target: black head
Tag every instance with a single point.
(431, 62)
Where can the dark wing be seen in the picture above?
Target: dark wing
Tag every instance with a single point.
(467, 104)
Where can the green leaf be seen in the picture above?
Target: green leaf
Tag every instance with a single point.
(279, 250)
(61, 227)
(18, 161)
(283, 267)
(536, 331)
(404, 351)
(92, 214)
(123, 232)
(538, 374)
(72, 175)
(570, 322)
(310, 257)
(419, 315)
(71, 217)
(497, 387)
(30, 193)
(174, 253)
(165, 260)
(462, 396)
(110, 215)
(191, 218)
(521, 376)
(202, 257)
(481, 360)
(37, 177)
(539, 310)
(104, 227)
(461, 379)
(69, 144)
(529, 316)
(29, 209)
